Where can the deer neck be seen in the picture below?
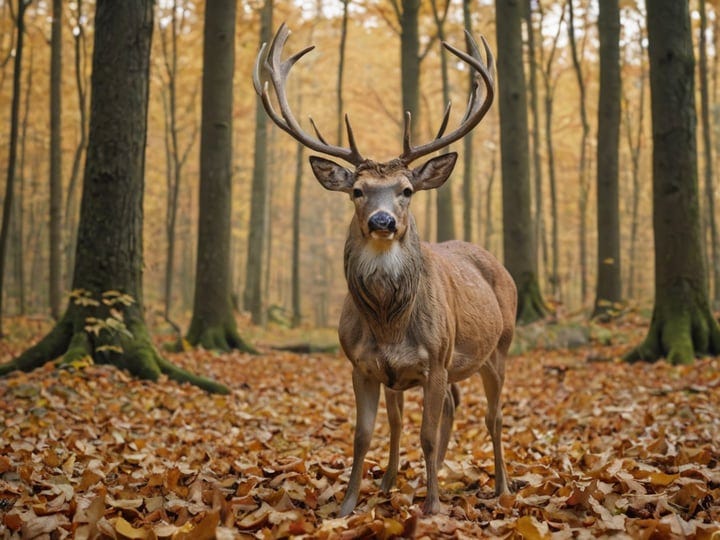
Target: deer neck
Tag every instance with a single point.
(383, 280)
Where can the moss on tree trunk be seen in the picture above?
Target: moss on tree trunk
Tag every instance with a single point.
(221, 336)
(682, 328)
(104, 321)
(99, 334)
(531, 306)
(682, 325)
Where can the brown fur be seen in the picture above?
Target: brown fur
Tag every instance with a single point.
(418, 314)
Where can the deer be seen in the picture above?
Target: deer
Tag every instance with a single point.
(417, 314)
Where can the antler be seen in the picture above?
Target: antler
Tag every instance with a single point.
(269, 63)
(476, 108)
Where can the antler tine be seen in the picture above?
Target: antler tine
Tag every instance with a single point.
(269, 61)
(445, 120)
(317, 131)
(351, 138)
(407, 147)
(476, 107)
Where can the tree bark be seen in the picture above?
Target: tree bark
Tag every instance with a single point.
(55, 224)
(213, 324)
(104, 320)
(710, 218)
(253, 297)
(445, 209)
(80, 66)
(13, 148)
(583, 163)
(682, 324)
(297, 205)
(517, 221)
(468, 170)
(609, 285)
(549, 84)
(539, 244)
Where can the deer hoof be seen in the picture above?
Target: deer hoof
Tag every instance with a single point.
(387, 483)
(431, 506)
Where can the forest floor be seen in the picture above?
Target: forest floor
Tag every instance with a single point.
(595, 447)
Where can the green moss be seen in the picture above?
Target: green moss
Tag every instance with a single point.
(681, 329)
(531, 306)
(130, 349)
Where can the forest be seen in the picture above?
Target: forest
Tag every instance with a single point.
(173, 277)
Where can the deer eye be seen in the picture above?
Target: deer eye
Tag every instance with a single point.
(357, 193)
(407, 192)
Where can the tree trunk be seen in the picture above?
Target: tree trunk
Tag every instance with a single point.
(175, 157)
(213, 323)
(634, 140)
(583, 164)
(13, 149)
(341, 73)
(468, 172)
(517, 221)
(682, 324)
(18, 210)
(252, 298)
(80, 84)
(55, 224)
(549, 84)
(539, 244)
(410, 62)
(609, 285)
(104, 320)
(445, 209)
(297, 201)
(710, 218)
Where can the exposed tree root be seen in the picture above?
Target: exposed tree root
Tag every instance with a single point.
(125, 346)
(221, 337)
(682, 328)
(531, 306)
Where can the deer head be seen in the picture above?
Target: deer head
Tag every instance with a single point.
(381, 192)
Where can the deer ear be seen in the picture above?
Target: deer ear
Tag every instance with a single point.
(432, 174)
(331, 175)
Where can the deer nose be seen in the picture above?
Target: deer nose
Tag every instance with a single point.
(381, 221)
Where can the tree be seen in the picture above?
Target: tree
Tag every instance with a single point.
(609, 286)
(104, 319)
(80, 72)
(55, 224)
(12, 147)
(175, 156)
(682, 324)
(252, 297)
(468, 176)
(517, 222)
(583, 162)
(550, 81)
(445, 209)
(213, 323)
(540, 244)
(709, 214)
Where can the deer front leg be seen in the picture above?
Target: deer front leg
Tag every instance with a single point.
(394, 404)
(367, 394)
(433, 401)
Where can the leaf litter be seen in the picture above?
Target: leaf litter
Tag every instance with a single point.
(593, 448)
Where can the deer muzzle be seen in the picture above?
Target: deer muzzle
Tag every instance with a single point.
(382, 224)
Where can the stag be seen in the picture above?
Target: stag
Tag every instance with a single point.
(416, 313)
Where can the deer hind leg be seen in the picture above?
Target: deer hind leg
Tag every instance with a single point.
(394, 404)
(367, 394)
(493, 377)
(452, 400)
